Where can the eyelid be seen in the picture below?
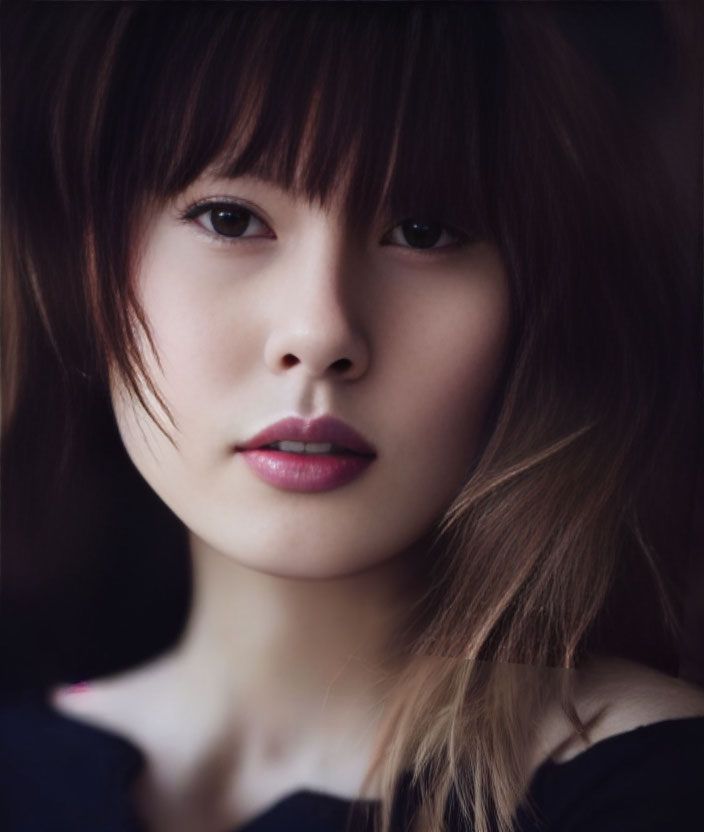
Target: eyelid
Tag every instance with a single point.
(200, 207)
(461, 238)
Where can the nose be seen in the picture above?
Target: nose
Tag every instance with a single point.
(316, 330)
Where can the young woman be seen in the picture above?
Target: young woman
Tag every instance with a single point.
(388, 306)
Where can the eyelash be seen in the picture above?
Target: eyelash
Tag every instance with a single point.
(202, 209)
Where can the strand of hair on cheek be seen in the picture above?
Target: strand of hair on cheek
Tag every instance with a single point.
(472, 495)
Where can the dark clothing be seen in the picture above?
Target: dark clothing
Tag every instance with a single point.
(60, 775)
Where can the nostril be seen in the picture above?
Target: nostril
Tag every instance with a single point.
(341, 365)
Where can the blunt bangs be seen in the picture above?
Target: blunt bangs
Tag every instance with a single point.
(391, 109)
(381, 101)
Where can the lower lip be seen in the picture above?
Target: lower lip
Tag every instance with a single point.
(306, 472)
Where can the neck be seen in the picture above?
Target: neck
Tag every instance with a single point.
(293, 658)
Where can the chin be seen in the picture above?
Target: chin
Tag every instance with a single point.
(302, 555)
(309, 565)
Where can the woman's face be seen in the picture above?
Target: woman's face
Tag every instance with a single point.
(373, 356)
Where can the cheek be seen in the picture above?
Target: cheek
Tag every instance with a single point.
(206, 336)
(445, 355)
(454, 361)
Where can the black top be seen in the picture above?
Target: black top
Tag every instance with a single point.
(61, 775)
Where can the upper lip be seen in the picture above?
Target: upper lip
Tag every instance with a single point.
(322, 429)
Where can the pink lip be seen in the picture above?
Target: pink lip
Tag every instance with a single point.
(307, 472)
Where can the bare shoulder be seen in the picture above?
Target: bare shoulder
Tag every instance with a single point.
(612, 697)
(632, 695)
(126, 703)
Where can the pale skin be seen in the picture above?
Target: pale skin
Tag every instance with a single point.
(280, 679)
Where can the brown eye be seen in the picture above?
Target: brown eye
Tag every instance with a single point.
(420, 233)
(229, 220)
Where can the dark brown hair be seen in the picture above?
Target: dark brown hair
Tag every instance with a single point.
(491, 116)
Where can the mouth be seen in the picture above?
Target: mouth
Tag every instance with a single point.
(308, 455)
(288, 446)
(325, 435)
